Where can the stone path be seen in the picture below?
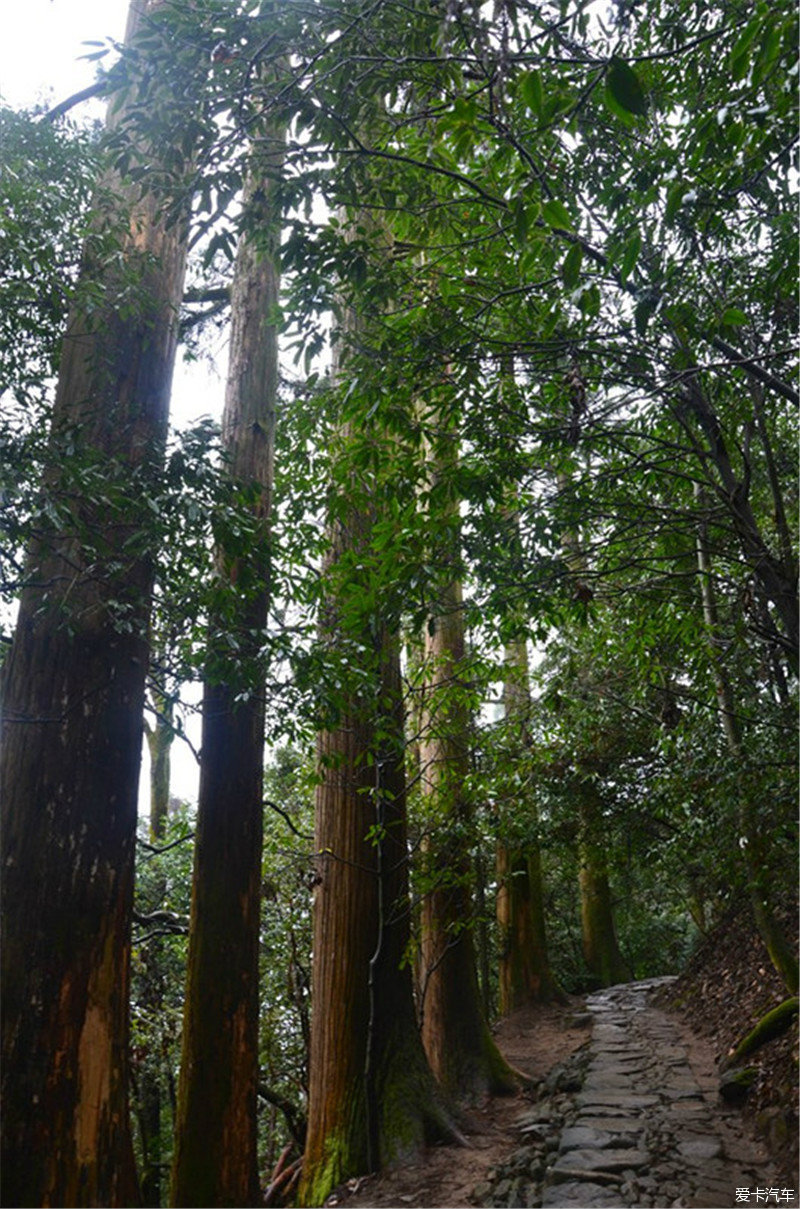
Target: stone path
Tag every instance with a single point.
(643, 1132)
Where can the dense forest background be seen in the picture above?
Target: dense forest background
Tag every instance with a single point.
(488, 573)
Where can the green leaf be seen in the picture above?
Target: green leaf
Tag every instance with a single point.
(674, 200)
(531, 91)
(740, 57)
(733, 317)
(630, 256)
(613, 106)
(571, 268)
(520, 215)
(556, 214)
(624, 86)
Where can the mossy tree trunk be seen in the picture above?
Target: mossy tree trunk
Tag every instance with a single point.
(73, 689)
(600, 948)
(524, 964)
(215, 1162)
(460, 1048)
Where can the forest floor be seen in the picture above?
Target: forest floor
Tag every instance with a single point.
(637, 1066)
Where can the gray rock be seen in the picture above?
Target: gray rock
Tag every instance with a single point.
(579, 1195)
(577, 1137)
(617, 1125)
(595, 1162)
(701, 1149)
(616, 1099)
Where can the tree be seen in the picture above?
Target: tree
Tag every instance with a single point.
(372, 1097)
(74, 693)
(524, 964)
(460, 1048)
(600, 948)
(216, 1143)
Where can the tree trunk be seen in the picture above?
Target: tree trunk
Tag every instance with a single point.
(460, 1048)
(600, 948)
(160, 737)
(73, 701)
(216, 1157)
(524, 965)
(372, 1097)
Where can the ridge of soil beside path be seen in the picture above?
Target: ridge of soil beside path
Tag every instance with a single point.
(534, 1040)
(726, 988)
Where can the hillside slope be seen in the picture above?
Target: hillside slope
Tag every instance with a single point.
(728, 986)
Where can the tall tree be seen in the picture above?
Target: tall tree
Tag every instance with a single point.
(215, 1159)
(460, 1048)
(372, 1097)
(600, 948)
(74, 691)
(524, 973)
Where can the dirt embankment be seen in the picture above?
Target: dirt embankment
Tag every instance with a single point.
(728, 986)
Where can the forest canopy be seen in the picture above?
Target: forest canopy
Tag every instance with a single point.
(487, 576)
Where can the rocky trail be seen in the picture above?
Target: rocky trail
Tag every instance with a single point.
(631, 1117)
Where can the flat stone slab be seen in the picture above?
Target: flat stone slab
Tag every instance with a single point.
(616, 1098)
(617, 1125)
(579, 1194)
(593, 1162)
(576, 1137)
(700, 1150)
(536, 1129)
(602, 1083)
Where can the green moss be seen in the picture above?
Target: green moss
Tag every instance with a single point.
(332, 1169)
(774, 1024)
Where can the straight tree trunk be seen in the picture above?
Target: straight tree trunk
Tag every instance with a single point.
(460, 1048)
(524, 965)
(73, 688)
(372, 1097)
(216, 1160)
(372, 1100)
(160, 737)
(600, 948)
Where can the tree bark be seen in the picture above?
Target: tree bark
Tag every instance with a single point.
(600, 949)
(372, 1097)
(73, 688)
(160, 737)
(216, 1157)
(460, 1048)
(524, 964)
